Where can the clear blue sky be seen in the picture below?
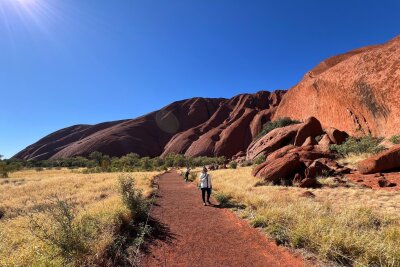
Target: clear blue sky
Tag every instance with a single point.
(68, 62)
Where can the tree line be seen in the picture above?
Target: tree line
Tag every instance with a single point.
(99, 162)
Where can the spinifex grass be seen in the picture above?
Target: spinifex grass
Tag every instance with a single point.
(352, 226)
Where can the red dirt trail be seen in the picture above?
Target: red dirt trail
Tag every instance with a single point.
(190, 234)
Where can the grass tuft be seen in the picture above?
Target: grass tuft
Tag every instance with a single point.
(350, 226)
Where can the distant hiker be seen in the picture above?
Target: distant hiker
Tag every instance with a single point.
(205, 185)
(187, 172)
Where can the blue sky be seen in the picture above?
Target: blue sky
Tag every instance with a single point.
(68, 62)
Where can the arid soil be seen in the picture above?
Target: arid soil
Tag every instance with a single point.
(385, 181)
(190, 234)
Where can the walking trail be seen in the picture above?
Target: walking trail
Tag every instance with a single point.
(190, 234)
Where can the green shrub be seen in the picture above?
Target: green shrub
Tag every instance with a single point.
(271, 125)
(259, 160)
(365, 144)
(258, 221)
(246, 163)
(395, 139)
(233, 164)
(223, 199)
(58, 227)
(4, 170)
(133, 198)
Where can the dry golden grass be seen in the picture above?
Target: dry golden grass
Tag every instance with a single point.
(353, 226)
(25, 191)
(351, 160)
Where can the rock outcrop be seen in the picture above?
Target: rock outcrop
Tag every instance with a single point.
(195, 127)
(230, 130)
(146, 135)
(295, 134)
(357, 92)
(388, 160)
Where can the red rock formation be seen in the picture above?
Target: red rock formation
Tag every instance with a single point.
(230, 130)
(293, 134)
(195, 127)
(281, 168)
(357, 92)
(146, 135)
(386, 161)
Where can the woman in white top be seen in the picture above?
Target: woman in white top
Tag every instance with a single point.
(205, 185)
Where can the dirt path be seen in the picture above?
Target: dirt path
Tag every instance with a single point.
(189, 234)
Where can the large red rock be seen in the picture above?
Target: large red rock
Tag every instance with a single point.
(280, 152)
(272, 141)
(384, 161)
(356, 92)
(325, 143)
(146, 135)
(281, 168)
(195, 127)
(310, 128)
(336, 136)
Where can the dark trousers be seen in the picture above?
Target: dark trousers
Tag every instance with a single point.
(203, 194)
(186, 177)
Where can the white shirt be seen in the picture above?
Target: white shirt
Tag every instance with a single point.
(205, 180)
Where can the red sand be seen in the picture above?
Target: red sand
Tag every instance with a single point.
(194, 235)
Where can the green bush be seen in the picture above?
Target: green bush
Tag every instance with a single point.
(59, 228)
(133, 198)
(233, 164)
(259, 160)
(4, 170)
(365, 144)
(224, 199)
(395, 139)
(271, 125)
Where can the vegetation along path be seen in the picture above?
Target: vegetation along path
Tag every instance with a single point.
(186, 233)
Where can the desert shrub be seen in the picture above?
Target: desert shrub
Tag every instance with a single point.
(271, 125)
(58, 227)
(2, 212)
(133, 198)
(365, 144)
(395, 139)
(259, 160)
(233, 164)
(4, 170)
(224, 199)
(246, 163)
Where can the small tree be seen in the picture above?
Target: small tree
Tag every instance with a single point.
(133, 198)
(97, 157)
(233, 164)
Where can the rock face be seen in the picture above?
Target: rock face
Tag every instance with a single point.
(231, 128)
(295, 134)
(357, 92)
(386, 161)
(195, 127)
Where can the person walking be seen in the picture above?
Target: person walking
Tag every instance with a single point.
(187, 172)
(205, 186)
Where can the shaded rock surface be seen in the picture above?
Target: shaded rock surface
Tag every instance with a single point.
(195, 127)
